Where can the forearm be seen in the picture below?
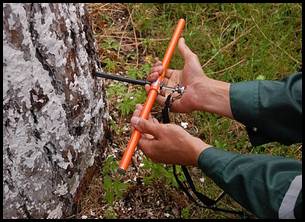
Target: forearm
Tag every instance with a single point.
(258, 182)
(270, 110)
(215, 98)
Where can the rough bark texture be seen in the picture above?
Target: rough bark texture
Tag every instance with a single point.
(53, 108)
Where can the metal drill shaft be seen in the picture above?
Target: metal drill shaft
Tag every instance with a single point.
(135, 81)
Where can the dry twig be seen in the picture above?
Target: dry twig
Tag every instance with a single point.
(228, 45)
(230, 67)
(123, 33)
(135, 35)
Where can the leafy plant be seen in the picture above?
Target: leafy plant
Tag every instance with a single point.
(260, 77)
(116, 89)
(139, 73)
(160, 172)
(132, 72)
(114, 126)
(110, 65)
(112, 186)
(110, 213)
(220, 144)
(110, 43)
(185, 213)
(129, 101)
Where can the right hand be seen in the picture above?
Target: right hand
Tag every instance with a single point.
(191, 77)
(167, 143)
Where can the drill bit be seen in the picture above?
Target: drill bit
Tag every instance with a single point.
(178, 88)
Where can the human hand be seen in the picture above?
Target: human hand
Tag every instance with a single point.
(191, 77)
(201, 92)
(166, 143)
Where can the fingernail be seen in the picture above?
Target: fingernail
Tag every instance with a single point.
(135, 120)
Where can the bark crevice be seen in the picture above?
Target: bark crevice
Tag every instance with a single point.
(54, 110)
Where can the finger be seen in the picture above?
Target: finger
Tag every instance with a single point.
(136, 112)
(147, 146)
(139, 107)
(147, 88)
(165, 81)
(177, 106)
(153, 76)
(160, 99)
(157, 67)
(184, 50)
(145, 126)
(169, 73)
(159, 70)
(157, 60)
(158, 63)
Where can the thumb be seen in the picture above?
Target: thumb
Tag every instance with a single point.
(184, 50)
(145, 126)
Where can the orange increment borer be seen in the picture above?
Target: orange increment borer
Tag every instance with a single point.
(151, 97)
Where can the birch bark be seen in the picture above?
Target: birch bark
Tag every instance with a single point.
(54, 111)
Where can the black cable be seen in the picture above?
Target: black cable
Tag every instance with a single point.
(122, 79)
(206, 201)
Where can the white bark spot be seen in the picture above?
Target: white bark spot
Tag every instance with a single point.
(56, 213)
(75, 184)
(62, 189)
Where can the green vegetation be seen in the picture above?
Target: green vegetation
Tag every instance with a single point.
(234, 42)
(128, 99)
(112, 186)
(161, 172)
(185, 213)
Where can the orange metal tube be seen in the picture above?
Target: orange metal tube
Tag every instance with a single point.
(151, 98)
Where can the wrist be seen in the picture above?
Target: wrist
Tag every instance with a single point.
(216, 98)
(198, 146)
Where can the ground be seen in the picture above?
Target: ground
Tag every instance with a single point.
(234, 42)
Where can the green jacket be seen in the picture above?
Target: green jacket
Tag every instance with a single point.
(268, 186)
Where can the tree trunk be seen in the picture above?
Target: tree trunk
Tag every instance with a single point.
(53, 108)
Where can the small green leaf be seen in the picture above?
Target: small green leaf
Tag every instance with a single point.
(132, 73)
(260, 77)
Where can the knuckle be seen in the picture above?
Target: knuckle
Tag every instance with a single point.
(138, 107)
(135, 113)
(194, 55)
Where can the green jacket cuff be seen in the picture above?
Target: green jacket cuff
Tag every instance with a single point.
(244, 101)
(213, 160)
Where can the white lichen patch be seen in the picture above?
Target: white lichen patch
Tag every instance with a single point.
(61, 189)
(36, 137)
(75, 184)
(56, 213)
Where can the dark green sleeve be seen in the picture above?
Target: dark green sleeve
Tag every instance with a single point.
(268, 186)
(270, 110)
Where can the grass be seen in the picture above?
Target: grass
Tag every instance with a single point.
(234, 42)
